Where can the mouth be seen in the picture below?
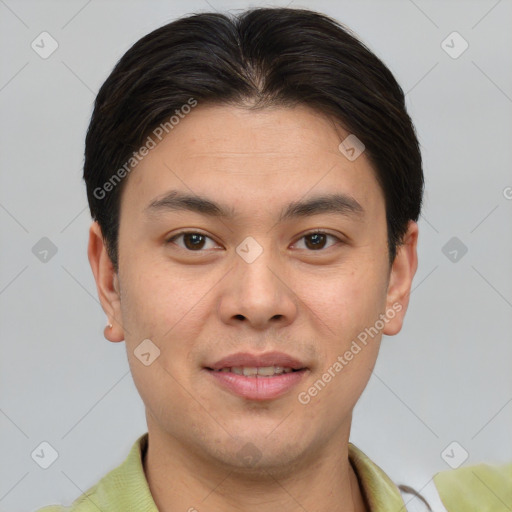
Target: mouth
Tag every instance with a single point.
(252, 371)
(257, 377)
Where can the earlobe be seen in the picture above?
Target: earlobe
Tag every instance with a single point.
(107, 283)
(402, 273)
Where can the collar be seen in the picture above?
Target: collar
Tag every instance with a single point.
(381, 494)
(125, 488)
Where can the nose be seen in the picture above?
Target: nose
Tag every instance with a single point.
(258, 294)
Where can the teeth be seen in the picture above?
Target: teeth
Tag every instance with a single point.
(270, 370)
(251, 371)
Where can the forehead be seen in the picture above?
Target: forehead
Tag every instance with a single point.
(249, 158)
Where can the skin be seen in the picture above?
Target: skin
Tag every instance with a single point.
(199, 305)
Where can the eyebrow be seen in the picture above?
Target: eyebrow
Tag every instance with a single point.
(175, 200)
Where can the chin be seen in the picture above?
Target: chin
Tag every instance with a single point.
(256, 460)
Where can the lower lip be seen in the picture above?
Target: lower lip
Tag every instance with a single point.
(257, 388)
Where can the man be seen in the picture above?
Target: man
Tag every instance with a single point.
(255, 184)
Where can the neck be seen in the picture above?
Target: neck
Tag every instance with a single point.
(184, 481)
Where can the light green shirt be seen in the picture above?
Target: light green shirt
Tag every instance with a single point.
(481, 488)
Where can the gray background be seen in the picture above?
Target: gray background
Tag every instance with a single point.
(446, 377)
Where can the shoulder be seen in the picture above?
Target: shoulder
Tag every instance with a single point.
(86, 502)
(53, 508)
(476, 488)
(123, 489)
(96, 498)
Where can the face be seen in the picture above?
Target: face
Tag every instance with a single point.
(278, 264)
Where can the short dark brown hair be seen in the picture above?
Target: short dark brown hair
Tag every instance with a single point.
(262, 57)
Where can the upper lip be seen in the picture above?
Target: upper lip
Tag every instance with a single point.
(257, 360)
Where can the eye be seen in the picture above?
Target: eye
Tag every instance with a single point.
(316, 240)
(193, 240)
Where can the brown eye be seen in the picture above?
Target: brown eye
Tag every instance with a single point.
(317, 240)
(192, 241)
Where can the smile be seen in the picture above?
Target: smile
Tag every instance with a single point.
(257, 383)
(263, 371)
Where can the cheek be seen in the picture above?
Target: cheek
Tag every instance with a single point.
(164, 396)
(169, 310)
(348, 344)
(348, 301)
(153, 300)
(348, 307)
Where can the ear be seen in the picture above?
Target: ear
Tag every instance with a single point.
(107, 283)
(400, 280)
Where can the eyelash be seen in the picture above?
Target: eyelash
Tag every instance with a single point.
(309, 233)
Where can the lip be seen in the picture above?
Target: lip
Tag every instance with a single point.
(257, 388)
(257, 360)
